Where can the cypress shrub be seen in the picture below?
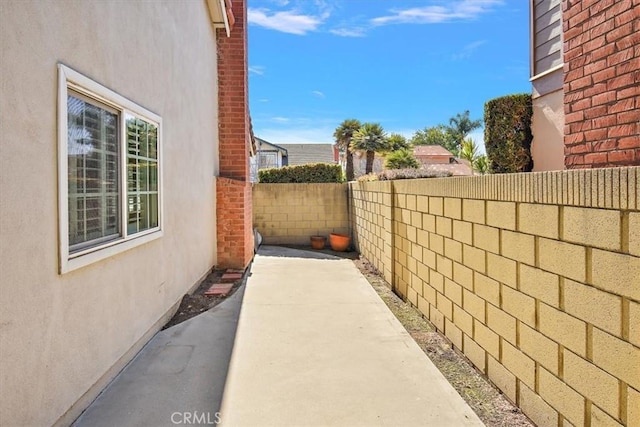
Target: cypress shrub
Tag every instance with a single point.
(507, 133)
(309, 173)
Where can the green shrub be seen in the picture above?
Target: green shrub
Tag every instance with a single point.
(309, 173)
(391, 174)
(507, 133)
(401, 159)
(368, 178)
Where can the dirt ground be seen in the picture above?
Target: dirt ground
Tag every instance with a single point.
(486, 400)
(196, 302)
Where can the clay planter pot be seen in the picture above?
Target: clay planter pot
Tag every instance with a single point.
(339, 242)
(318, 242)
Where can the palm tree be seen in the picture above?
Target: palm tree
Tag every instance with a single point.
(397, 142)
(370, 138)
(469, 150)
(342, 136)
(401, 159)
(461, 126)
(482, 165)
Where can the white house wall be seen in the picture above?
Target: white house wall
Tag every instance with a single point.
(63, 336)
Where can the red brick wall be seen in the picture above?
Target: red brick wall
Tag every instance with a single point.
(233, 193)
(601, 82)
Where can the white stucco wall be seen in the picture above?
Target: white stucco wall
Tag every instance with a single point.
(61, 334)
(547, 148)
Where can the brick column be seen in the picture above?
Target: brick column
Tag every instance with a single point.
(233, 193)
(601, 82)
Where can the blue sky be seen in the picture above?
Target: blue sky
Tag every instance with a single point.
(406, 64)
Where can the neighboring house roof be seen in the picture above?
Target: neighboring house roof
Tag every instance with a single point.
(431, 151)
(456, 169)
(264, 145)
(300, 154)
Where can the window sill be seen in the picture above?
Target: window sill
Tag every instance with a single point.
(75, 261)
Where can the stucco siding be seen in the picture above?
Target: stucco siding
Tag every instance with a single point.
(547, 127)
(61, 334)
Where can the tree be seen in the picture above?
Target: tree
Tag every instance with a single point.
(343, 134)
(397, 142)
(461, 126)
(482, 165)
(401, 159)
(436, 135)
(370, 138)
(469, 151)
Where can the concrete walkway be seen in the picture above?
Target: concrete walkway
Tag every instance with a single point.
(316, 346)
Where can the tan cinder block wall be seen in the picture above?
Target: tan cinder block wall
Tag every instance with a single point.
(534, 277)
(291, 213)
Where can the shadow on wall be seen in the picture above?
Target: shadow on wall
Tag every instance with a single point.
(303, 252)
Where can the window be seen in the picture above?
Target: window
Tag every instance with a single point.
(109, 172)
(546, 36)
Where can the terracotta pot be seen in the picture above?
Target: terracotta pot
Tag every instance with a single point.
(318, 242)
(339, 242)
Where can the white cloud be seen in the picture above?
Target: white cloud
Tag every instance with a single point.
(280, 119)
(263, 100)
(318, 93)
(468, 50)
(349, 32)
(288, 21)
(257, 69)
(454, 11)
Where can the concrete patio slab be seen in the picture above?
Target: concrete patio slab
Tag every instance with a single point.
(316, 346)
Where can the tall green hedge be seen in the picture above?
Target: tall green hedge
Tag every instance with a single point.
(507, 133)
(309, 173)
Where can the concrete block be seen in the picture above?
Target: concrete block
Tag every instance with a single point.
(539, 348)
(592, 382)
(436, 243)
(599, 228)
(436, 206)
(563, 328)
(539, 411)
(436, 280)
(502, 269)
(437, 318)
(453, 208)
(501, 214)
(519, 305)
(429, 223)
(502, 378)
(463, 276)
(487, 339)
(411, 202)
(519, 364)
(423, 307)
(562, 397)
(416, 219)
(594, 306)
(444, 306)
(444, 226)
(475, 353)
(474, 258)
(634, 323)
(473, 211)
(501, 323)
(453, 333)
(600, 419)
(518, 246)
(445, 266)
(422, 204)
(463, 232)
(616, 273)
(429, 258)
(473, 305)
(565, 259)
(540, 284)
(487, 288)
(429, 294)
(617, 357)
(463, 320)
(634, 233)
(539, 220)
(487, 238)
(453, 291)
(453, 249)
(423, 238)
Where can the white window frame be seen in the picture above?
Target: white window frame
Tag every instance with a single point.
(69, 79)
